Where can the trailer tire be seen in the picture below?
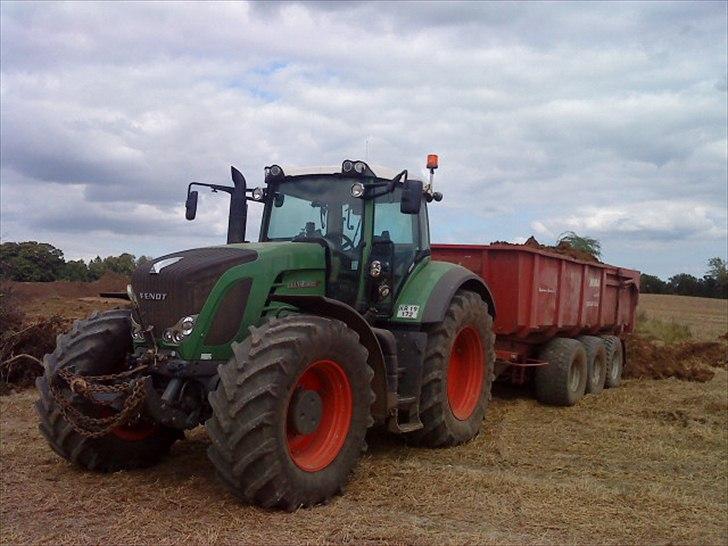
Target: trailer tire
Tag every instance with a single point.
(563, 381)
(596, 363)
(450, 415)
(266, 449)
(96, 346)
(615, 361)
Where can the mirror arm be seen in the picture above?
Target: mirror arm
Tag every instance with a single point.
(216, 187)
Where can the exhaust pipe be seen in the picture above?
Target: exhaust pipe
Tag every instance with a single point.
(238, 215)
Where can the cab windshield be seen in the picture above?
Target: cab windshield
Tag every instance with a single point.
(316, 207)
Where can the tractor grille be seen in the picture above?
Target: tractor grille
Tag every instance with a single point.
(182, 284)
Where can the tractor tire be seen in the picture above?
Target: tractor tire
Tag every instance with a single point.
(457, 374)
(97, 346)
(596, 363)
(615, 361)
(291, 412)
(563, 381)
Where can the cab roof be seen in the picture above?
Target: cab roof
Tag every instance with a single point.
(378, 170)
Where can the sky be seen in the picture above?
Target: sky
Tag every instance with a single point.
(608, 119)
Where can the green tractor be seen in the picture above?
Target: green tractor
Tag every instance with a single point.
(287, 350)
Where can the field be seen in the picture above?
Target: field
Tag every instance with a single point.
(645, 463)
(706, 318)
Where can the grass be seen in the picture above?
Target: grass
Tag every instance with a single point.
(705, 318)
(668, 332)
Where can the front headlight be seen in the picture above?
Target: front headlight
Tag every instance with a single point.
(176, 334)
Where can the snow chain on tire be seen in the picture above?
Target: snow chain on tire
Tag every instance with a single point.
(123, 383)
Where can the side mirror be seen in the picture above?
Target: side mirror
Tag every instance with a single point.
(411, 197)
(191, 205)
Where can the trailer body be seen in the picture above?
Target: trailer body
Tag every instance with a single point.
(540, 295)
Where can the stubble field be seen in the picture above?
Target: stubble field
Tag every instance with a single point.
(645, 463)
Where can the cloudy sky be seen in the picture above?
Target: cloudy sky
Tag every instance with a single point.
(607, 119)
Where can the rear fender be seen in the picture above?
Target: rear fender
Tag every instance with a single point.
(426, 296)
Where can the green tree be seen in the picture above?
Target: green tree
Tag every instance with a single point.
(124, 263)
(718, 273)
(30, 261)
(96, 268)
(144, 260)
(685, 285)
(582, 243)
(76, 270)
(651, 284)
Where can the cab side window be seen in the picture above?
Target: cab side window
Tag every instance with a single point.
(406, 231)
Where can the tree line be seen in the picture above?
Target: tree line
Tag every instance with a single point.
(42, 262)
(714, 284)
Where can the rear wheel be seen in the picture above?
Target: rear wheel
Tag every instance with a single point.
(96, 346)
(615, 361)
(291, 412)
(596, 363)
(563, 381)
(457, 374)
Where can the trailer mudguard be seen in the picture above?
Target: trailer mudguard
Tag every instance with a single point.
(386, 394)
(428, 292)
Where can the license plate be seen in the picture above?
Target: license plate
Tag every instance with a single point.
(408, 311)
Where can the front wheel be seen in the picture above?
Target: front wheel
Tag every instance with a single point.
(96, 346)
(457, 374)
(291, 412)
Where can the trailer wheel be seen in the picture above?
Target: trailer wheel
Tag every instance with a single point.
(291, 411)
(615, 361)
(457, 374)
(596, 363)
(563, 381)
(96, 346)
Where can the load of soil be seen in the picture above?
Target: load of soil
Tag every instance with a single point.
(564, 248)
(109, 282)
(688, 361)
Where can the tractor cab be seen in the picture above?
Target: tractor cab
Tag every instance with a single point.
(357, 215)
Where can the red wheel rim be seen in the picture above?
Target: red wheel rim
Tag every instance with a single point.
(317, 450)
(465, 373)
(135, 433)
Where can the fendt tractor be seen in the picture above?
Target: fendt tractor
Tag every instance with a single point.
(288, 350)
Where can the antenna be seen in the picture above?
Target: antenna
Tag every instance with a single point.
(366, 149)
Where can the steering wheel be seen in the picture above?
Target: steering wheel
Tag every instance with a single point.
(346, 247)
(348, 243)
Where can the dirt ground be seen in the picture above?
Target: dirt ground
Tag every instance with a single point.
(645, 463)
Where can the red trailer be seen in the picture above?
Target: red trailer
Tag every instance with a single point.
(543, 298)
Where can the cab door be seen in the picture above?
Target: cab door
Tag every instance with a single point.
(398, 242)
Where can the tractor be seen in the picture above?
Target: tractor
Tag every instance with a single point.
(287, 350)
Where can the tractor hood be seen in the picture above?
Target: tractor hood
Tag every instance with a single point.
(178, 284)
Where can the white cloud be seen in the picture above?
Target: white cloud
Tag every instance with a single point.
(544, 115)
(660, 220)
